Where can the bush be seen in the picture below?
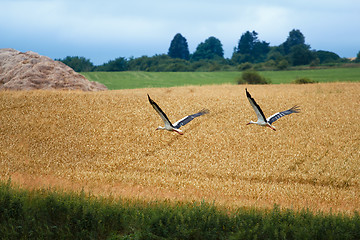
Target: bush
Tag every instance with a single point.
(270, 63)
(245, 66)
(252, 77)
(214, 67)
(315, 62)
(119, 64)
(78, 64)
(303, 81)
(282, 65)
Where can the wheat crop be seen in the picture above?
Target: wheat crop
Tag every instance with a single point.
(106, 143)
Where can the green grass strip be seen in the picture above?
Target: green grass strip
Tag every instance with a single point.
(52, 214)
(131, 80)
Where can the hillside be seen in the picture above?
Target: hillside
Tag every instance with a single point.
(106, 143)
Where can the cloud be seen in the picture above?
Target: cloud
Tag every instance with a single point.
(109, 28)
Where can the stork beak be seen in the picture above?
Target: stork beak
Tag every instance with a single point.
(248, 123)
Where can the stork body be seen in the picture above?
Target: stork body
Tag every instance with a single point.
(266, 122)
(174, 127)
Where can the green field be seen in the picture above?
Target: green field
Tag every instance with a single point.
(130, 80)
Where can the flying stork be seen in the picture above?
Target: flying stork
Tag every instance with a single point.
(262, 121)
(174, 127)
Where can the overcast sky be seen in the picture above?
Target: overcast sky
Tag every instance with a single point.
(107, 29)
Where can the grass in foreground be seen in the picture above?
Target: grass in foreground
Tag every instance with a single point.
(130, 80)
(50, 214)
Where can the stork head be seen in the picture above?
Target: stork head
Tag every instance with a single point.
(160, 128)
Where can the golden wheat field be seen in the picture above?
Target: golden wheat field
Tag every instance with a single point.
(106, 143)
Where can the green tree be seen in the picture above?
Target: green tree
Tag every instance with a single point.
(250, 48)
(79, 64)
(295, 49)
(357, 59)
(275, 54)
(301, 55)
(117, 65)
(159, 63)
(327, 57)
(210, 49)
(179, 48)
(295, 38)
(142, 63)
(247, 42)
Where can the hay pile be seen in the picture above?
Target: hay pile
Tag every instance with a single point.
(29, 71)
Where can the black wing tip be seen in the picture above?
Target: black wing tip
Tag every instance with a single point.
(150, 100)
(295, 109)
(247, 93)
(204, 111)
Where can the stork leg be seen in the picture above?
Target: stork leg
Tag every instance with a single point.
(178, 132)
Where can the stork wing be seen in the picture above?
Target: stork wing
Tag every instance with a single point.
(189, 118)
(276, 116)
(160, 112)
(259, 113)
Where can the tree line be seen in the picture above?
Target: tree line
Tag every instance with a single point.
(250, 52)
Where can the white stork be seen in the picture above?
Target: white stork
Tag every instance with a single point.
(262, 121)
(174, 127)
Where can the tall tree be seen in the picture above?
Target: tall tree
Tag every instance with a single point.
(296, 50)
(301, 55)
(247, 42)
(295, 38)
(250, 48)
(357, 59)
(179, 48)
(210, 49)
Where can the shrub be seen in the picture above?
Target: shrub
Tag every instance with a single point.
(252, 77)
(315, 62)
(79, 64)
(214, 67)
(270, 63)
(245, 66)
(303, 81)
(282, 65)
